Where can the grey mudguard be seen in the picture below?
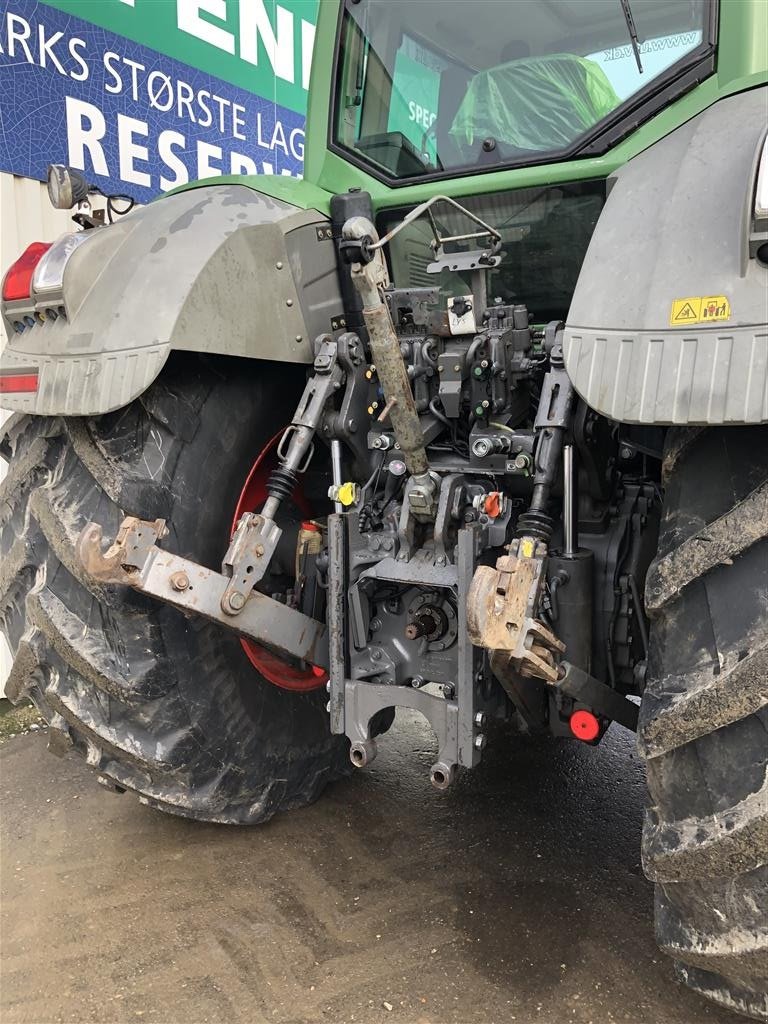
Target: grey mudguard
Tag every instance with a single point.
(220, 269)
(676, 227)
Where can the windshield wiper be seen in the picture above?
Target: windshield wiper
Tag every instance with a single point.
(626, 10)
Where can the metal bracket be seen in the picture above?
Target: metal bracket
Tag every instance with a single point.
(577, 683)
(463, 261)
(129, 552)
(247, 559)
(347, 422)
(503, 606)
(420, 301)
(134, 560)
(363, 700)
(353, 703)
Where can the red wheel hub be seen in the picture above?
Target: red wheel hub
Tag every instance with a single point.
(253, 495)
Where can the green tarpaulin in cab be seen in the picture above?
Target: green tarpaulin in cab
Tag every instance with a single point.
(537, 103)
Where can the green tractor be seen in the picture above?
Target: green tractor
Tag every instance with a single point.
(471, 420)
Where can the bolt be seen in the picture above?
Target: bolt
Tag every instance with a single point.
(289, 302)
(179, 581)
(375, 654)
(486, 403)
(439, 369)
(328, 707)
(457, 367)
(299, 338)
(259, 550)
(626, 453)
(484, 363)
(417, 682)
(480, 719)
(236, 601)
(328, 686)
(480, 741)
(278, 266)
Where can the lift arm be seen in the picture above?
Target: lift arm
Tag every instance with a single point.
(135, 560)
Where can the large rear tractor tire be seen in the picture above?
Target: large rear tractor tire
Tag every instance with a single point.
(704, 716)
(167, 706)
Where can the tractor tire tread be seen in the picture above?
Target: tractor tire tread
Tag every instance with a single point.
(703, 726)
(95, 658)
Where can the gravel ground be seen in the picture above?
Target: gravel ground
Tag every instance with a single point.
(516, 896)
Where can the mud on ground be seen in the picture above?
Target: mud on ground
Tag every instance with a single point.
(516, 896)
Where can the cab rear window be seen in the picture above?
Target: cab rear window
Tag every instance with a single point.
(434, 87)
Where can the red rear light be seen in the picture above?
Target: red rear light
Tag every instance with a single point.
(17, 283)
(18, 383)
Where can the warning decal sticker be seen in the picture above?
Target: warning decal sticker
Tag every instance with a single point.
(699, 309)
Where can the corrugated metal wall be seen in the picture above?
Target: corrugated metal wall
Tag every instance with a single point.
(26, 215)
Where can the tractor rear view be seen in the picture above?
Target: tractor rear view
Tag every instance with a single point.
(471, 421)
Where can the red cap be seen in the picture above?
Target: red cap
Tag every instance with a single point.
(493, 504)
(584, 726)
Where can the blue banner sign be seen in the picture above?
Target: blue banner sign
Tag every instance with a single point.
(135, 121)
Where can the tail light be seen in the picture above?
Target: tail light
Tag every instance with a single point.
(19, 382)
(17, 283)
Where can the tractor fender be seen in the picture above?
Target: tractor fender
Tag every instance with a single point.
(219, 269)
(668, 319)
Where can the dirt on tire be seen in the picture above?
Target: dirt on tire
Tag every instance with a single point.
(156, 703)
(704, 716)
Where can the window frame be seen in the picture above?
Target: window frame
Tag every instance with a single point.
(680, 78)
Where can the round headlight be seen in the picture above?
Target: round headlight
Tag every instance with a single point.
(66, 186)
